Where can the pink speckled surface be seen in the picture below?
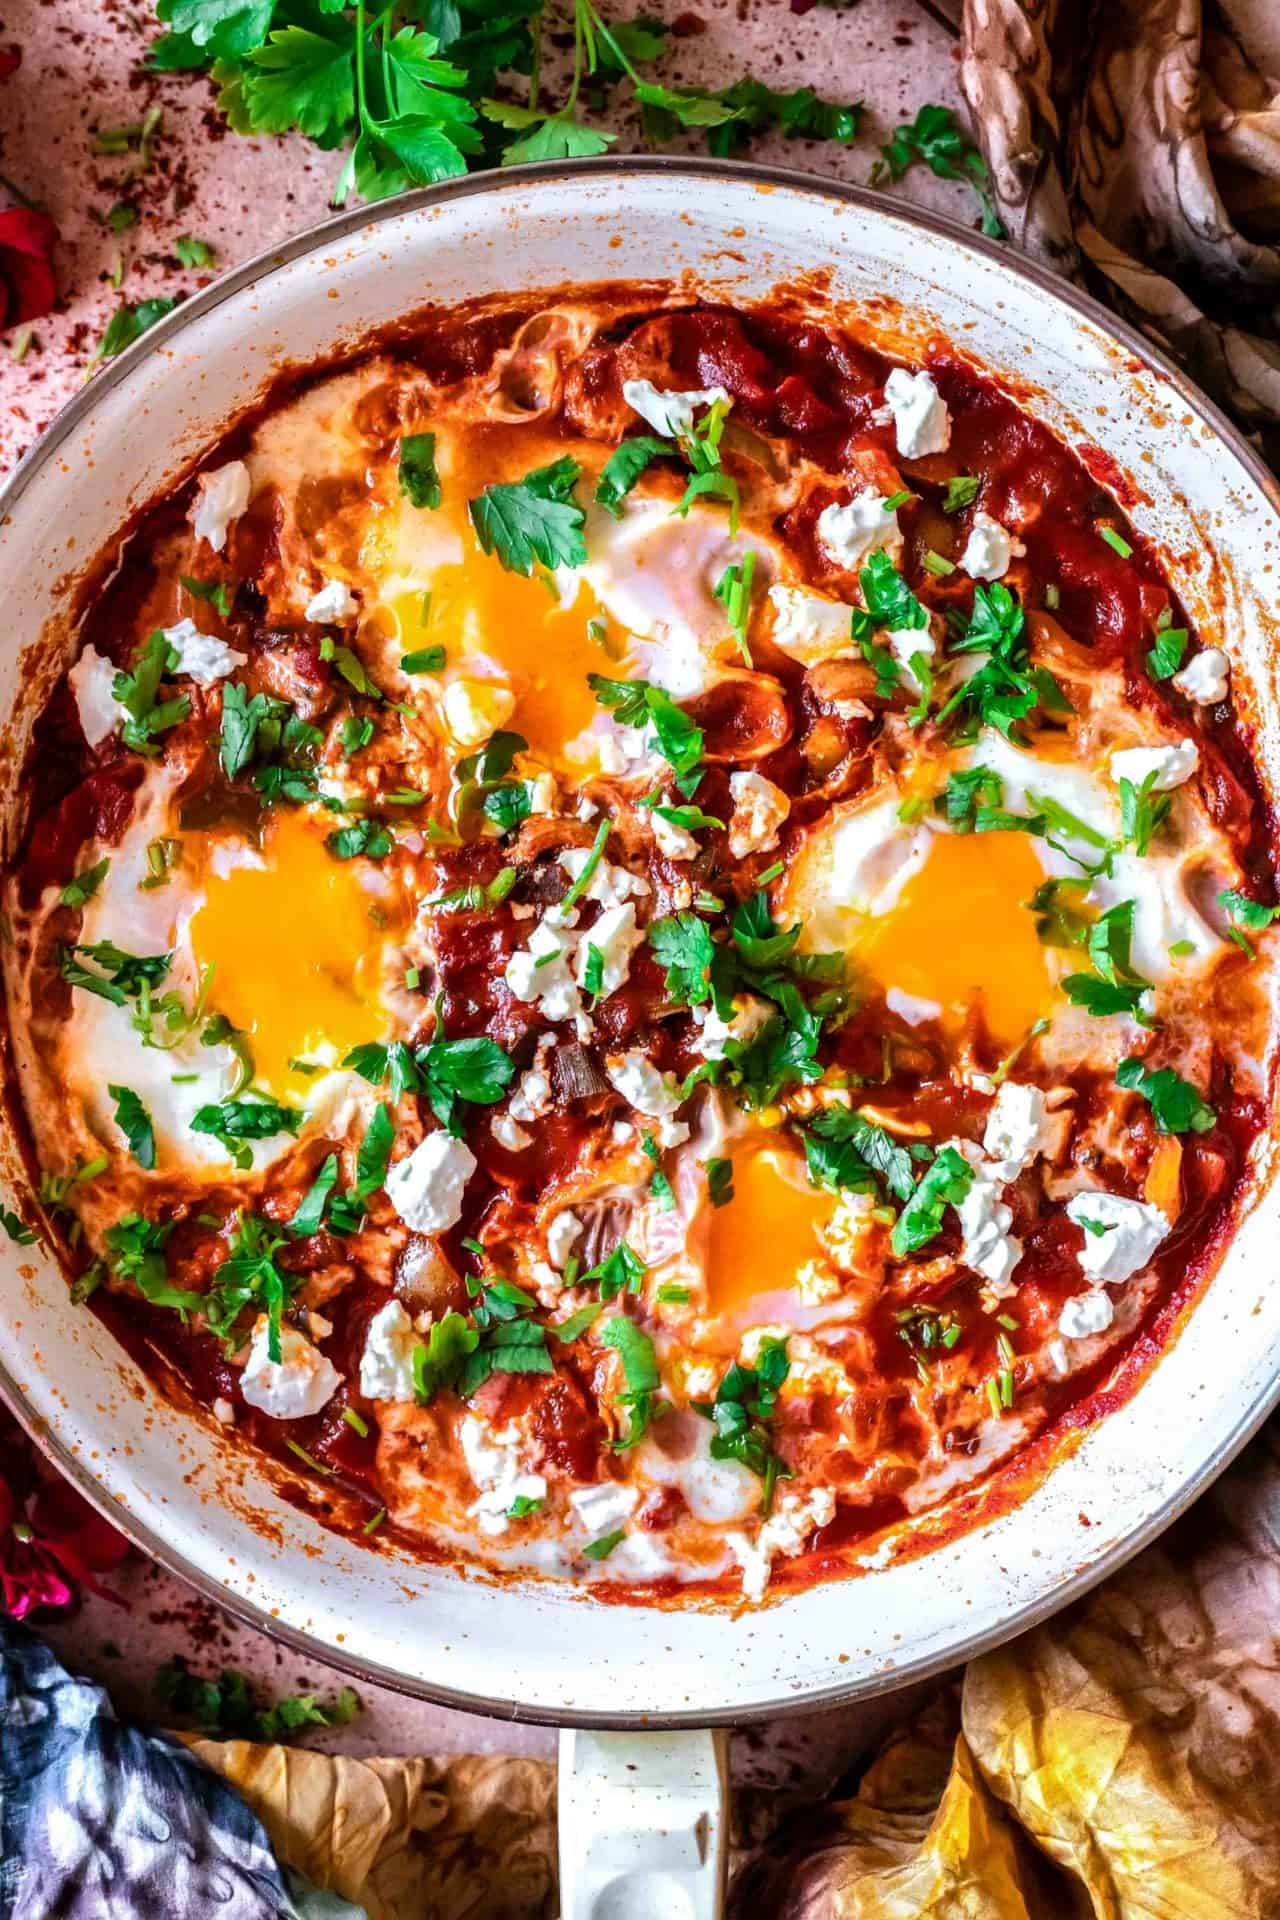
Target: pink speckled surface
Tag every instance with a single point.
(80, 71)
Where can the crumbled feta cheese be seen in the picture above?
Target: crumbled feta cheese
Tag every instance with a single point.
(426, 1187)
(793, 1519)
(807, 627)
(334, 603)
(1015, 1124)
(676, 842)
(386, 1365)
(532, 1097)
(300, 1384)
(615, 936)
(816, 1284)
(903, 643)
(602, 1508)
(223, 1412)
(92, 679)
(542, 972)
(608, 886)
(1206, 677)
(989, 548)
(1133, 1232)
(202, 656)
(543, 793)
(475, 709)
(509, 1133)
(669, 413)
(845, 1234)
(561, 1234)
(759, 809)
(1058, 1360)
(493, 1461)
(911, 1008)
(850, 530)
(223, 497)
(750, 1015)
(1088, 1313)
(641, 1085)
(919, 412)
(988, 1246)
(671, 1133)
(1170, 765)
(622, 1133)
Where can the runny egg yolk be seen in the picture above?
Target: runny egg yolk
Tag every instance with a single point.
(502, 624)
(961, 932)
(294, 951)
(763, 1236)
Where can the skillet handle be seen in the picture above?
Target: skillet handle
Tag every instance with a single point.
(643, 1825)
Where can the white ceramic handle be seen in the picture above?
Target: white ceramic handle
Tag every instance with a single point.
(643, 1825)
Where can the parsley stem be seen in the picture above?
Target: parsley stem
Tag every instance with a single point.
(584, 879)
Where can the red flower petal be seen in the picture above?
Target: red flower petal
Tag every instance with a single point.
(27, 239)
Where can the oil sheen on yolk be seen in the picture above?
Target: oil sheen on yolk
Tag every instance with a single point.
(294, 952)
(961, 932)
(479, 608)
(767, 1232)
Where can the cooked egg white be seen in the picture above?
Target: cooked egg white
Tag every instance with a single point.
(276, 937)
(643, 605)
(941, 920)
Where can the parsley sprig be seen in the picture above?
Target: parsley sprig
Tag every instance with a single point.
(745, 1404)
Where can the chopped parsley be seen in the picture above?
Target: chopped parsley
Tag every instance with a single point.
(229, 1708)
(124, 976)
(424, 660)
(134, 1123)
(635, 1350)
(962, 490)
(78, 892)
(659, 1186)
(249, 1275)
(1175, 1105)
(365, 838)
(719, 1181)
(1113, 987)
(1167, 650)
(215, 593)
(845, 1151)
(137, 691)
(682, 943)
(624, 467)
(419, 481)
(601, 1549)
(1241, 911)
(944, 1184)
(534, 520)
(135, 1251)
(746, 1401)
(635, 703)
(621, 1271)
(733, 591)
(235, 1123)
(1006, 687)
(935, 138)
(1117, 542)
(308, 1217)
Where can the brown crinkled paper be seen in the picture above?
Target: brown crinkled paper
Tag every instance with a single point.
(1122, 1761)
(466, 1837)
(1134, 145)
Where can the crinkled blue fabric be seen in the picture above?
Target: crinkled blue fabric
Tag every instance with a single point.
(101, 1821)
